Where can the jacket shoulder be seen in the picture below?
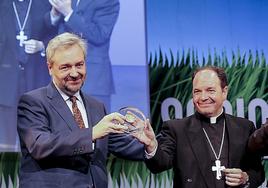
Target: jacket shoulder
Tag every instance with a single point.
(179, 122)
(239, 119)
(91, 102)
(240, 122)
(36, 94)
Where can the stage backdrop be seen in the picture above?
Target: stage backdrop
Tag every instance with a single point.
(232, 34)
(128, 55)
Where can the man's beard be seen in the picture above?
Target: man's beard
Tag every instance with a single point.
(69, 89)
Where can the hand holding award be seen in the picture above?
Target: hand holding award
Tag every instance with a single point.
(135, 120)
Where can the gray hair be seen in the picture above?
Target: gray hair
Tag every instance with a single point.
(64, 40)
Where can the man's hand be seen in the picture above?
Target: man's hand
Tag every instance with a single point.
(147, 137)
(54, 12)
(32, 46)
(112, 123)
(61, 6)
(235, 176)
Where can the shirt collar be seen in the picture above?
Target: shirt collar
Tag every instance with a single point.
(66, 97)
(213, 120)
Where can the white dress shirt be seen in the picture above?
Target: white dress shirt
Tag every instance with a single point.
(79, 102)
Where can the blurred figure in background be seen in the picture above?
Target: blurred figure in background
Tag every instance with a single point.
(22, 63)
(94, 21)
(258, 141)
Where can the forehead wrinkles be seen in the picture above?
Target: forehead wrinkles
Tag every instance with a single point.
(66, 54)
(206, 78)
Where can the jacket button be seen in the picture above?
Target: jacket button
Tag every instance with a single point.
(21, 67)
(189, 180)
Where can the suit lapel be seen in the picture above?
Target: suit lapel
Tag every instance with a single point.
(233, 132)
(199, 145)
(88, 110)
(93, 116)
(58, 103)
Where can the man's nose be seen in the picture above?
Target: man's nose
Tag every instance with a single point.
(74, 72)
(204, 96)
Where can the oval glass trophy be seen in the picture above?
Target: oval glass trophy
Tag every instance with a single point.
(135, 120)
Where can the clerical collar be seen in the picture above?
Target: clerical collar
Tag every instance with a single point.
(211, 120)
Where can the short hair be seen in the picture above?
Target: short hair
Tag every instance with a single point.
(219, 71)
(64, 40)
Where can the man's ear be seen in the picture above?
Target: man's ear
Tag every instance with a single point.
(49, 66)
(225, 92)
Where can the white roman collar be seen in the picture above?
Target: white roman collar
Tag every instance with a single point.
(213, 120)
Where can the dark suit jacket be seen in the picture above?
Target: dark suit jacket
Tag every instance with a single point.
(35, 70)
(258, 141)
(94, 20)
(56, 152)
(183, 147)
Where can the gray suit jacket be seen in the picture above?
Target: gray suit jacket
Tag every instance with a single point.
(56, 152)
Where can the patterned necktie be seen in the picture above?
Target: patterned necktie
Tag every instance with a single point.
(76, 113)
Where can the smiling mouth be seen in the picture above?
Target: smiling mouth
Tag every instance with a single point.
(74, 82)
(205, 104)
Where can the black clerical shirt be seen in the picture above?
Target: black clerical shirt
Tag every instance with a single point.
(214, 132)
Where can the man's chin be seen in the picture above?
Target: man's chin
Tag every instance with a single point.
(72, 90)
(206, 112)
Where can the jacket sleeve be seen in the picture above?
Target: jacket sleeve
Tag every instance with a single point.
(94, 22)
(125, 146)
(165, 153)
(258, 141)
(40, 139)
(251, 163)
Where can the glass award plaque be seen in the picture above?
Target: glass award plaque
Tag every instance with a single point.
(135, 120)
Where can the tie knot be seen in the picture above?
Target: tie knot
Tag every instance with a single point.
(73, 99)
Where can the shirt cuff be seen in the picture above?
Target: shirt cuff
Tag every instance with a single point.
(43, 53)
(43, 50)
(152, 154)
(93, 145)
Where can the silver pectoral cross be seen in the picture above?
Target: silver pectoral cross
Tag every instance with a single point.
(21, 37)
(218, 168)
